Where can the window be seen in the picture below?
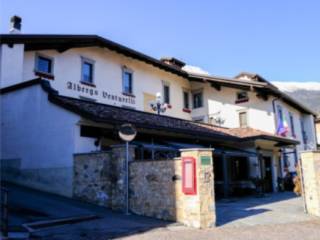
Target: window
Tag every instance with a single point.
(242, 97)
(303, 133)
(44, 64)
(186, 100)
(197, 100)
(127, 81)
(280, 113)
(239, 168)
(166, 93)
(243, 119)
(293, 134)
(87, 70)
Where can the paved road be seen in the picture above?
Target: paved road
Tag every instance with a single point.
(294, 231)
(276, 208)
(277, 216)
(27, 205)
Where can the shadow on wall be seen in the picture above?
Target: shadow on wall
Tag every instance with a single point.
(56, 180)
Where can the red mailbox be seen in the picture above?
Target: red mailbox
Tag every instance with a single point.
(189, 179)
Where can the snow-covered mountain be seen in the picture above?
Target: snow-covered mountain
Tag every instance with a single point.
(195, 70)
(308, 93)
(295, 86)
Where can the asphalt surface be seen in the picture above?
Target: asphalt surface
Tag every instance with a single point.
(278, 208)
(27, 206)
(309, 230)
(277, 216)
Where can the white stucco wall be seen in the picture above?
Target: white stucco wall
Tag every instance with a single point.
(222, 103)
(83, 144)
(11, 64)
(40, 136)
(108, 77)
(17, 66)
(260, 114)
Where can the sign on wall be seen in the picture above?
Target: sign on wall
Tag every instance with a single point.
(77, 87)
(205, 160)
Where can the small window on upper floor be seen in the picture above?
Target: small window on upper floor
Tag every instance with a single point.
(44, 66)
(243, 120)
(293, 132)
(242, 97)
(186, 104)
(197, 99)
(87, 71)
(127, 81)
(303, 133)
(166, 93)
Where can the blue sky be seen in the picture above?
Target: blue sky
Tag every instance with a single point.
(278, 39)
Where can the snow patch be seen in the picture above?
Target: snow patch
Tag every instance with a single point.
(295, 86)
(195, 70)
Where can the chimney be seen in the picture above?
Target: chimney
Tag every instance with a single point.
(15, 24)
(173, 62)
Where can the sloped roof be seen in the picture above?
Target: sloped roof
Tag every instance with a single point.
(117, 115)
(63, 42)
(105, 113)
(251, 133)
(111, 114)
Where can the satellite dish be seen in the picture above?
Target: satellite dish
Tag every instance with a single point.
(127, 132)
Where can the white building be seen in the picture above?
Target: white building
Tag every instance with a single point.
(67, 94)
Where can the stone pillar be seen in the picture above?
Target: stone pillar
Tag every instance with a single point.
(199, 209)
(118, 164)
(310, 165)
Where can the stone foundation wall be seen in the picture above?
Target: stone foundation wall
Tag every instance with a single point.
(155, 188)
(93, 179)
(310, 162)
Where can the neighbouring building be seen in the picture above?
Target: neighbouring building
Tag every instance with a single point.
(65, 95)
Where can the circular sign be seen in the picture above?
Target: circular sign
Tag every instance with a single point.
(127, 132)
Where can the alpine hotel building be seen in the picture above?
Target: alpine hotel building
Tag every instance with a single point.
(63, 95)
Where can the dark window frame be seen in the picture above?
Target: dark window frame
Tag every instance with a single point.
(197, 104)
(39, 72)
(239, 168)
(125, 71)
(241, 99)
(186, 99)
(292, 128)
(91, 63)
(166, 95)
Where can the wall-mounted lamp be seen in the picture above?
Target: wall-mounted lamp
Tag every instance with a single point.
(158, 106)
